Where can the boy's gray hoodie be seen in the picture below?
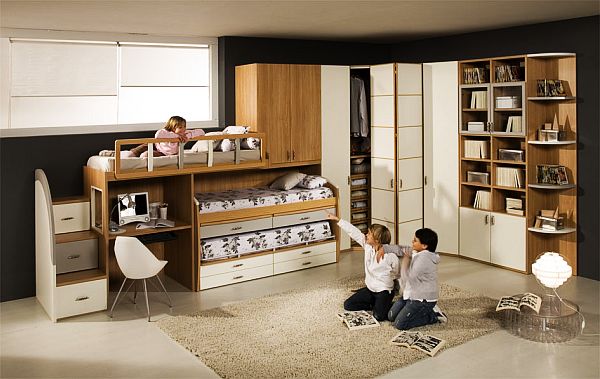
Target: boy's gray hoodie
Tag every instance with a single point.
(421, 281)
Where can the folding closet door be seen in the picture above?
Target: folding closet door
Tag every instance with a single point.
(335, 136)
(440, 120)
(383, 196)
(409, 155)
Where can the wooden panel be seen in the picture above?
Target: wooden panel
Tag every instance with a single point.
(475, 234)
(406, 231)
(408, 78)
(302, 263)
(236, 227)
(410, 111)
(508, 252)
(246, 96)
(235, 277)
(382, 79)
(382, 111)
(304, 252)
(305, 113)
(381, 206)
(230, 266)
(382, 143)
(81, 298)
(410, 142)
(410, 174)
(382, 174)
(410, 205)
(273, 109)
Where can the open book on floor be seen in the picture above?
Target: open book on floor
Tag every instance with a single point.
(530, 300)
(425, 343)
(158, 223)
(355, 320)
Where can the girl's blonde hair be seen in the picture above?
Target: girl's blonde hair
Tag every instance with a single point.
(381, 234)
(175, 122)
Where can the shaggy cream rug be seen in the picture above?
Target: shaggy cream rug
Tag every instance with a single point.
(297, 334)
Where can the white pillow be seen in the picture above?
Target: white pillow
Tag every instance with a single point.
(235, 130)
(287, 181)
(202, 146)
(312, 181)
(250, 143)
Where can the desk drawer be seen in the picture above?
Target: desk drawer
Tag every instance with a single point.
(306, 262)
(71, 217)
(76, 255)
(235, 277)
(237, 265)
(80, 298)
(235, 227)
(301, 218)
(304, 252)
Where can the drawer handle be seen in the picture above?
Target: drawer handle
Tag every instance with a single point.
(74, 256)
(306, 263)
(236, 228)
(238, 277)
(67, 218)
(82, 298)
(305, 252)
(305, 218)
(238, 265)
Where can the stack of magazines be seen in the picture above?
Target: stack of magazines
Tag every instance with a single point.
(482, 200)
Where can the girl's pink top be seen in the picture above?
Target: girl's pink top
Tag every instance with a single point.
(172, 148)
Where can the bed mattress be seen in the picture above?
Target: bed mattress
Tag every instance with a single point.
(246, 243)
(210, 202)
(107, 164)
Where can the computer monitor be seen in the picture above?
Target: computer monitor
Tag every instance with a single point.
(133, 207)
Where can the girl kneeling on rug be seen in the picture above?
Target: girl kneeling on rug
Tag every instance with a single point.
(380, 273)
(418, 304)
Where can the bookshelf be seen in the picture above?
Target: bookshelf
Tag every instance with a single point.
(543, 110)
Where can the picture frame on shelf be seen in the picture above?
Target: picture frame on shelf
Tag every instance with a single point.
(550, 88)
(552, 174)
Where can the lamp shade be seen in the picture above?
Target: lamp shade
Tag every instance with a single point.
(551, 269)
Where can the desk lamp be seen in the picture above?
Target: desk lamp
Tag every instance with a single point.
(113, 226)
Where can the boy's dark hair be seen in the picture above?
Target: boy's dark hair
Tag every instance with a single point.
(427, 237)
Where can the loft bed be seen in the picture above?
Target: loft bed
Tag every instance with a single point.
(207, 159)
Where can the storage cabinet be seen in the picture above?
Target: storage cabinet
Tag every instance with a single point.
(285, 102)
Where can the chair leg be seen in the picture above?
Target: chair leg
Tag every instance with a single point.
(129, 287)
(166, 293)
(135, 292)
(116, 298)
(147, 305)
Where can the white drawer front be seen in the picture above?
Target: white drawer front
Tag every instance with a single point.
(81, 298)
(235, 277)
(304, 252)
(299, 264)
(72, 217)
(301, 218)
(76, 255)
(237, 265)
(235, 227)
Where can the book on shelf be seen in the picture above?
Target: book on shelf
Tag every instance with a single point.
(482, 200)
(514, 125)
(507, 73)
(355, 320)
(478, 99)
(528, 299)
(474, 75)
(156, 223)
(510, 177)
(425, 343)
(477, 149)
(515, 206)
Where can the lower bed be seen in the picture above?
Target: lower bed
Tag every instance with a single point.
(236, 245)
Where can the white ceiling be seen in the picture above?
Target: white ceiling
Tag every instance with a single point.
(369, 21)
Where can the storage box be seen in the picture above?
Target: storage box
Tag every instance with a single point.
(551, 135)
(511, 155)
(478, 177)
(508, 102)
(475, 126)
(549, 223)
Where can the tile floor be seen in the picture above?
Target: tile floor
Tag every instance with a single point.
(94, 346)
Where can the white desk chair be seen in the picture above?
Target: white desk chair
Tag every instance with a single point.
(137, 262)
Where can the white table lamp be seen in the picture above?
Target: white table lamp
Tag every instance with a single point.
(551, 270)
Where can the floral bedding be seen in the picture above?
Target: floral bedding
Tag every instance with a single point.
(246, 243)
(257, 197)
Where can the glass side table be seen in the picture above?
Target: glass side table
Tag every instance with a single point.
(556, 322)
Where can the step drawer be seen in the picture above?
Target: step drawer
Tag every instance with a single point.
(71, 217)
(235, 227)
(76, 255)
(301, 218)
(76, 299)
(235, 277)
(307, 262)
(304, 252)
(237, 265)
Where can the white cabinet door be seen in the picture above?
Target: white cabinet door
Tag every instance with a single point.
(440, 141)
(382, 205)
(409, 78)
(389, 225)
(508, 241)
(335, 136)
(410, 111)
(410, 174)
(382, 174)
(382, 111)
(382, 143)
(475, 234)
(406, 231)
(410, 142)
(410, 205)
(382, 79)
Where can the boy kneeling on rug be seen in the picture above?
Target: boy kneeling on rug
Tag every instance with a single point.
(418, 277)
(380, 273)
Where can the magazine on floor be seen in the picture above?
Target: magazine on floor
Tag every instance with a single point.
(355, 320)
(530, 300)
(425, 343)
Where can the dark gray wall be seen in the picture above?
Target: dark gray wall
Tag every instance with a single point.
(62, 157)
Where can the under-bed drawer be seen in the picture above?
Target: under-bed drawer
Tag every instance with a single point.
(304, 252)
(301, 218)
(235, 277)
(299, 264)
(236, 265)
(208, 231)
